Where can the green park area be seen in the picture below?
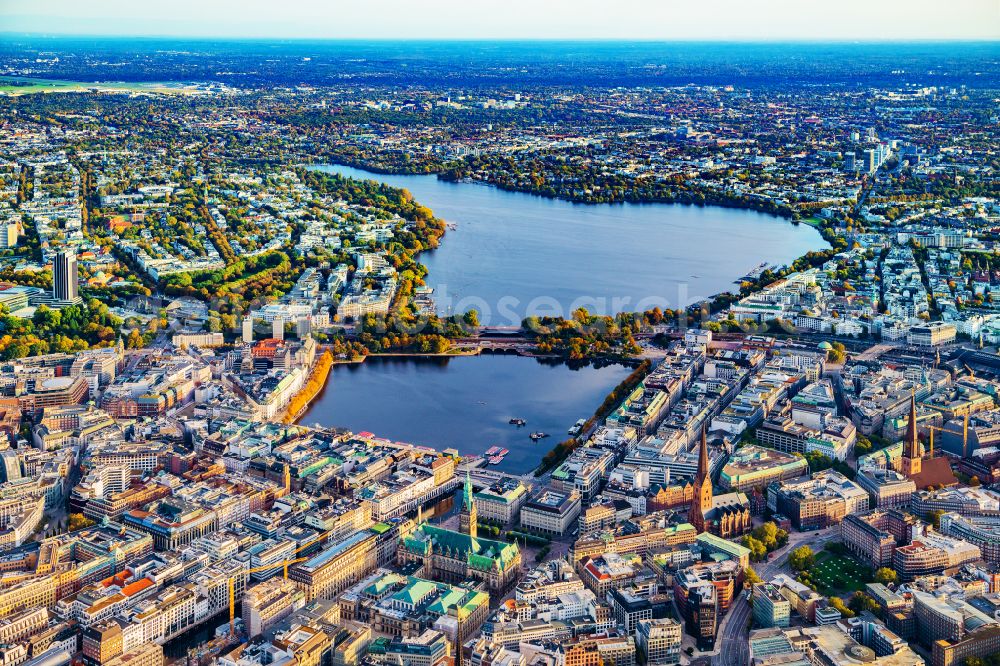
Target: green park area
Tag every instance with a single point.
(838, 574)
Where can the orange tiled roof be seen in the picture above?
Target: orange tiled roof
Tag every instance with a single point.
(137, 587)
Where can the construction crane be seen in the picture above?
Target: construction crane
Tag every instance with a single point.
(232, 587)
(965, 436)
(268, 567)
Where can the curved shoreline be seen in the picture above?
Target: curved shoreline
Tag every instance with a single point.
(737, 204)
(724, 202)
(376, 176)
(441, 175)
(464, 403)
(430, 190)
(318, 377)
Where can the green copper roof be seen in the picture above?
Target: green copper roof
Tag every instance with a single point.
(713, 541)
(377, 588)
(464, 601)
(415, 591)
(379, 645)
(452, 597)
(461, 546)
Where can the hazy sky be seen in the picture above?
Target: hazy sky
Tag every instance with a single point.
(512, 19)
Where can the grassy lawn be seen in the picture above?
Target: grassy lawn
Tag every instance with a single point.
(838, 574)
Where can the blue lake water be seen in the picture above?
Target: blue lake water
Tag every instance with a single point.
(464, 402)
(511, 254)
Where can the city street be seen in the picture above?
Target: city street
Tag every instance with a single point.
(732, 647)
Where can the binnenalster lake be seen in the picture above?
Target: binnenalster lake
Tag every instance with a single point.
(464, 402)
(511, 254)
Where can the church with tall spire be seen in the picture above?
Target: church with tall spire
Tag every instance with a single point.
(725, 515)
(701, 502)
(909, 458)
(912, 462)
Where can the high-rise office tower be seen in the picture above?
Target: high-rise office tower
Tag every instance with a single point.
(871, 160)
(64, 276)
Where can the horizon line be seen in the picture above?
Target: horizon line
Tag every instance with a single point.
(554, 40)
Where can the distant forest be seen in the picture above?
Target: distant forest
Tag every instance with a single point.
(253, 63)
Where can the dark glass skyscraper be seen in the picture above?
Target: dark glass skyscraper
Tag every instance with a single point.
(64, 276)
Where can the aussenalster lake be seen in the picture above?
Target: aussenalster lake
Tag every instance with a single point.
(511, 254)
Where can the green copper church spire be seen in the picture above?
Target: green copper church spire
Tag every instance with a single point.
(468, 491)
(467, 515)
